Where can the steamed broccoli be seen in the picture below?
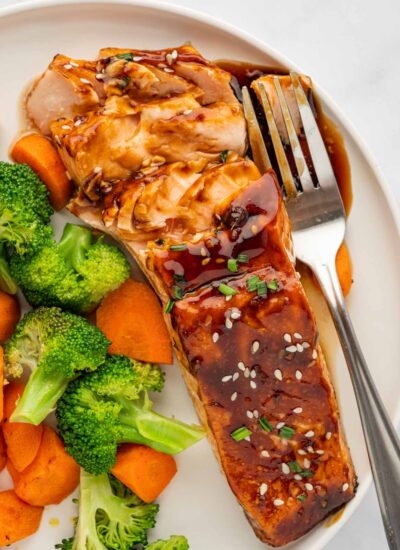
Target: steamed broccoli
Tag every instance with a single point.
(102, 409)
(7, 283)
(24, 209)
(175, 542)
(55, 346)
(74, 274)
(110, 516)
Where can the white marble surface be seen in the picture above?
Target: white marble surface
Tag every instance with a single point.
(352, 49)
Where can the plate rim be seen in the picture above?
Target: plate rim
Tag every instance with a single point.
(219, 24)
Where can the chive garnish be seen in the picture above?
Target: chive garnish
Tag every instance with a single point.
(232, 265)
(252, 283)
(242, 258)
(240, 433)
(170, 305)
(301, 498)
(178, 278)
(178, 247)
(223, 156)
(262, 288)
(127, 56)
(306, 473)
(265, 425)
(295, 467)
(178, 292)
(287, 433)
(227, 290)
(273, 285)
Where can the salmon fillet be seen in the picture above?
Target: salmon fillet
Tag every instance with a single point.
(212, 235)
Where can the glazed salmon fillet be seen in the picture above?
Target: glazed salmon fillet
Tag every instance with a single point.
(212, 235)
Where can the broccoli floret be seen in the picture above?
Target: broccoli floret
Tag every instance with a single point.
(110, 516)
(24, 209)
(100, 410)
(175, 542)
(74, 274)
(7, 283)
(56, 346)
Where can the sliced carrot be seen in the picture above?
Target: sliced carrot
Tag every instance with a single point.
(39, 153)
(131, 317)
(344, 269)
(1, 383)
(9, 315)
(145, 471)
(3, 452)
(22, 440)
(51, 477)
(18, 519)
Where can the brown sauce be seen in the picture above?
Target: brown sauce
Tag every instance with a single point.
(245, 73)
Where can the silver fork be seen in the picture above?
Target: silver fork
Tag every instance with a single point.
(318, 227)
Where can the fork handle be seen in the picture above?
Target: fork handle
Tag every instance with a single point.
(383, 444)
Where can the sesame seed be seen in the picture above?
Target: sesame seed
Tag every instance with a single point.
(310, 449)
(167, 70)
(309, 486)
(299, 375)
(174, 54)
(255, 346)
(314, 354)
(264, 453)
(74, 64)
(205, 261)
(263, 489)
(328, 435)
(169, 59)
(298, 410)
(100, 76)
(187, 112)
(301, 452)
(299, 347)
(279, 425)
(85, 81)
(227, 378)
(253, 373)
(298, 477)
(58, 141)
(285, 468)
(320, 452)
(306, 463)
(246, 372)
(297, 335)
(287, 337)
(234, 396)
(298, 275)
(98, 170)
(228, 323)
(77, 123)
(278, 374)
(65, 127)
(278, 502)
(310, 433)
(68, 66)
(228, 298)
(236, 313)
(203, 251)
(253, 385)
(305, 345)
(291, 349)
(215, 337)
(256, 415)
(137, 58)
(235, 377)
(345, 486)
(254, 229)
(68, 175)
(249, 414)
(241, 365)
(247, 438)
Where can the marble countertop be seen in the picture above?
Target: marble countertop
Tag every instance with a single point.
(352, 50)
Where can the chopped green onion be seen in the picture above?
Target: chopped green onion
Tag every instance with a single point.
(273, 285)
(295, 467)
(178, 292)
(127, 56)
(306, 473)
(170, 305)
(178, 278)
(227, 290)
(265, 425)
(240, 433)
(287, 433)
(243, 258)
(178, 247)
(302, 497)
(223, 156)
(262, 288)
(232, 265)
(160, 241)
(252, 283)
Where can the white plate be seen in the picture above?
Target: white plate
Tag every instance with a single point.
(199, 503)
